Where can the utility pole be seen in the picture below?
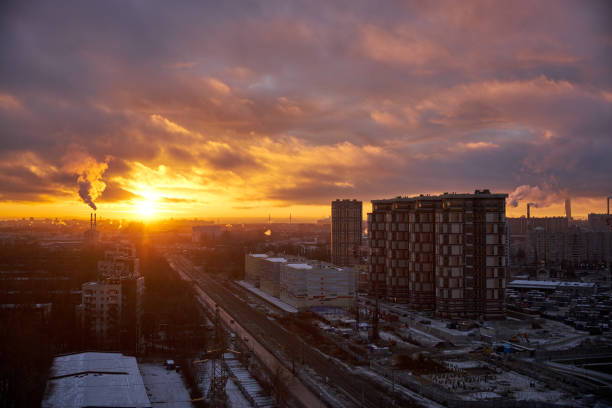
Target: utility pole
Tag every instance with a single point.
(375, 335)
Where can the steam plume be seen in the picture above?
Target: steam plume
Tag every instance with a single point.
(85, 191)
(535, 195)
(89, 172)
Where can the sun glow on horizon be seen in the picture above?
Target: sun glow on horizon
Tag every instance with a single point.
(146, 209)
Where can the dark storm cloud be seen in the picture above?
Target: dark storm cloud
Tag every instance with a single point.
(431, 96)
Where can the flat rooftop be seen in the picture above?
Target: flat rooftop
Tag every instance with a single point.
(477, 194)
(300, 266)
(95, 380)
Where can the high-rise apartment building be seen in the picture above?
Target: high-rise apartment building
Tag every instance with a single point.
(112, 307)
(346, 229)
(443, 253)
(101, 312)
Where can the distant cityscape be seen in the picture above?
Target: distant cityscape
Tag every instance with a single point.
(441, 299)
(302, 204)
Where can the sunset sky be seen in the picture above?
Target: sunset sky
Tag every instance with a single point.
(155, 109)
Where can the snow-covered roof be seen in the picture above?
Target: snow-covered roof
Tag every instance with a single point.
(95, 380)
(258, 255)
(577, 284)
(276, 259)
(300, 266)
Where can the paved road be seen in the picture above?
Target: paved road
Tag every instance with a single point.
(274, 336)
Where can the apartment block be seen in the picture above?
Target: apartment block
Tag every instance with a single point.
(101, 312)
(112, 307)
(444, 253)
(206, 234)
(119, 262)
(346, 231)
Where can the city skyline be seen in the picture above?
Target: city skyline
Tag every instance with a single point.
(242, 110)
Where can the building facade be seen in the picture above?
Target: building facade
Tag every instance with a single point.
(112, 307)
(308, 284)
(445, 253)
(302, 283)
(101, 311)
(346, 231)
(253, 267)
(270, 275)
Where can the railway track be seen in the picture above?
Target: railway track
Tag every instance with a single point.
(358, 389)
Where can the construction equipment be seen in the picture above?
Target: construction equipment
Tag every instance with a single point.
(520, 338)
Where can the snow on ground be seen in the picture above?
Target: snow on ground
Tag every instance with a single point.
(423, 401)
(565, 344)
(271, 299)
(165, 387)
(491, 385)
(235, 397)
(420, 337)
(390, 336)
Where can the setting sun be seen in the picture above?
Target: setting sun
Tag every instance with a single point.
(145, 208)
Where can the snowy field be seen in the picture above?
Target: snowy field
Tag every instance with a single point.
(165, 388)
(476, 380)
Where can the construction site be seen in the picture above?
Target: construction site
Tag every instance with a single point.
(414, 356)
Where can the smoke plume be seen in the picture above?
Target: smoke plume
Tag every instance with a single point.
(535, 196)
(89, 175)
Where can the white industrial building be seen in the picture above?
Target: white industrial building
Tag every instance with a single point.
(303, 285)
(270, 275)
(95, 380)
(253, 266)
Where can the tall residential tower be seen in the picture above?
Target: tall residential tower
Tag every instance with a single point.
(443, 253)
(346, 231)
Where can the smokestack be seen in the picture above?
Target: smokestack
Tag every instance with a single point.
(568, 209)
(529, 205)
(528, 215)
(95, 223)
(609, 197)
(90, 221)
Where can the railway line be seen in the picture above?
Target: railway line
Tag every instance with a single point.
(356, 388)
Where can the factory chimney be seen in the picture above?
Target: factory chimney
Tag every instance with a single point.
(528, 207)
(568, 209)
(90, 220)
(95, 223)
(609, 197)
